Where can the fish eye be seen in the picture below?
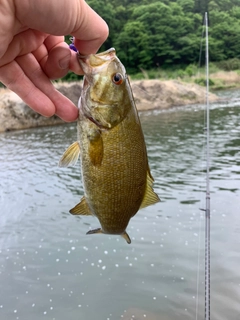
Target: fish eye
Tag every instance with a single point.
(117, 78)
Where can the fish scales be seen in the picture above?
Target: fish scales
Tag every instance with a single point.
(115, 172)
(117, 195)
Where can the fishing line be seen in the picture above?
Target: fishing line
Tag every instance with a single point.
(200, 226)
(198, 263)
(200, 50)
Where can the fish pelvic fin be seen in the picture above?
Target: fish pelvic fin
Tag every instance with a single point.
(150, 197)
(70, 156)
(126, 237)
(81, 208)
(99, 230)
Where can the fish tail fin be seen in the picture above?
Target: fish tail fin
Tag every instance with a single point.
(99, 230)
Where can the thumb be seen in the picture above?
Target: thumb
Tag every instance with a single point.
(63, 17)
(91, 31)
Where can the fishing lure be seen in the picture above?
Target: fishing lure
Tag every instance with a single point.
(72, 46)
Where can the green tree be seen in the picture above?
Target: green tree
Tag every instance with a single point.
(171, 34)
(225, 32)
(186, 5)
(132, 46)
(152, 33)
(201, 6)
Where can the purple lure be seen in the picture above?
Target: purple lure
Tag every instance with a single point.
(72, 47)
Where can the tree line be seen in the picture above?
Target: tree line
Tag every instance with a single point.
(149, 33)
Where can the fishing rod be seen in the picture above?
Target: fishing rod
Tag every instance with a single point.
(207, 205)
(207, 209)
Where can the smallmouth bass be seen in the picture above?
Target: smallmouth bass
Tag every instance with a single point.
(116, 176)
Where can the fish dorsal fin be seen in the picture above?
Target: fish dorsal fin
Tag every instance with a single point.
(81, 208)
(150, 197)
(70, 156)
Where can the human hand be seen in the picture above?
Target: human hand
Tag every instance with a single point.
(33, 51)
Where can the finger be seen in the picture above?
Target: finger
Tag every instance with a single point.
(23, 43)
(47, 45)
(64, 108)
(58, 61)
(55, 63)
(74, 64)
(12, 76)
(74, 17)
(59, 58)
(91, 32)
(36, 90)
(54, 57)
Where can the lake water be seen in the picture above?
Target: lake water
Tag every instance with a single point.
(50, 268)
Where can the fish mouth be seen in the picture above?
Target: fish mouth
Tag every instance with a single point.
(93, 63)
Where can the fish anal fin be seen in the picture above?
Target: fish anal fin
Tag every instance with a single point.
(95, 149)
(150, 197)
(70, 156)
(81, 208)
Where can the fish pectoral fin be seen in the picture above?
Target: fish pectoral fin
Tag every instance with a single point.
(81, 208)
(150, 197)
(95, 149)
(98, 230)
(70, 156)
(126, 237)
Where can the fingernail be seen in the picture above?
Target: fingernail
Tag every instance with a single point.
(64, 62)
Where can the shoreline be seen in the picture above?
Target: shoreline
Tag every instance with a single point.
(148, 95)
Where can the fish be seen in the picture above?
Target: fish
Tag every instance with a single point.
(114, 164)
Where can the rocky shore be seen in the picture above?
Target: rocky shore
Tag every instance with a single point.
(149, 94)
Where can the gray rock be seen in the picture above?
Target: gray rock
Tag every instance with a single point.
(149, 94)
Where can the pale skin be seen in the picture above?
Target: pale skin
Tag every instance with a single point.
(33, 51)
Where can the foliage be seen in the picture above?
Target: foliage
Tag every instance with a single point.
(153, 34)
(202, 82)
(229, 65)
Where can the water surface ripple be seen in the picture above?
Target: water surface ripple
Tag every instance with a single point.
(49, 268)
